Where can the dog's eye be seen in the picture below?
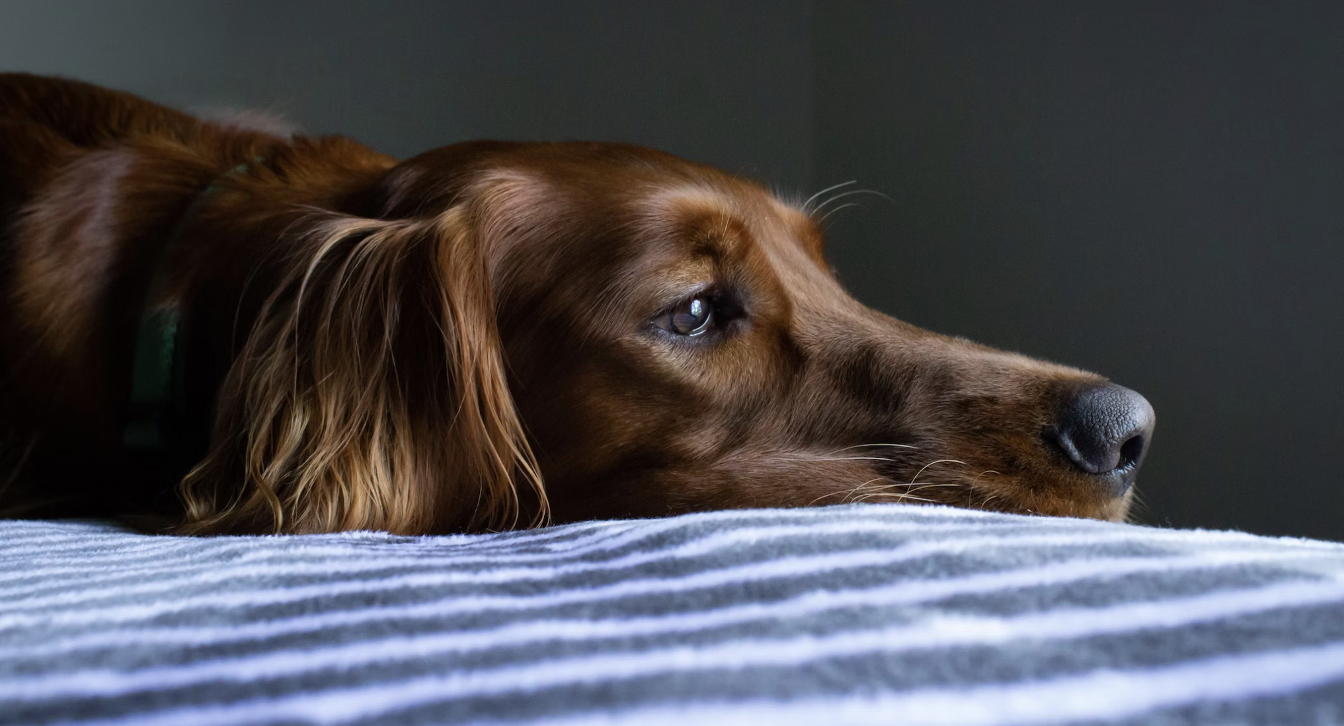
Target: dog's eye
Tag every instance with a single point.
(705, 315)
(691, 318)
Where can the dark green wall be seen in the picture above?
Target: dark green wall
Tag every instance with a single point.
(715, 81)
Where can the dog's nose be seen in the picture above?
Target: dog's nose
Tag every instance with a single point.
(1105, 430)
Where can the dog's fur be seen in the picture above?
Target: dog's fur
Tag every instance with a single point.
(472, 339)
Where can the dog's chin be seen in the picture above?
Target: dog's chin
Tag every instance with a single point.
(1034, 499)
(1079, 496)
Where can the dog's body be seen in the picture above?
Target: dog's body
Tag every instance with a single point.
(473, 338)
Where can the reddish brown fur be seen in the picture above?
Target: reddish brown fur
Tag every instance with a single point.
(464, 340)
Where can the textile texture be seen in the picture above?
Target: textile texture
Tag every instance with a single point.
(861, 614)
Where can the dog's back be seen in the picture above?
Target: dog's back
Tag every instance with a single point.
(73, 244)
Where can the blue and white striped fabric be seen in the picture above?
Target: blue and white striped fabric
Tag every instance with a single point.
(860, 614)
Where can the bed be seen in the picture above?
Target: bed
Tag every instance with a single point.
(856, 614)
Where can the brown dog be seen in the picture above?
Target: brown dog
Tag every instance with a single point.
(303, 335)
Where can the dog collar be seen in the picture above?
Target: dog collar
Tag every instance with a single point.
(158, 389)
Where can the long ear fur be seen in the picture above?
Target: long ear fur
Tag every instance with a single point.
(371, 394)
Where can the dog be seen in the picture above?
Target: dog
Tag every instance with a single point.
(242, 332)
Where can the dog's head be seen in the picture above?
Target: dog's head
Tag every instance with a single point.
(635, 334)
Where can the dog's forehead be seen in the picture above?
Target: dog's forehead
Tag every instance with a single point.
(664, 200)
(740, 214)
(678, 223)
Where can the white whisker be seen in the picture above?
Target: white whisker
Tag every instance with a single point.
(851, 193)
(859, 446)
(833, 211)
(837, 458)
(977, 476)
(898, 496)
(806, 205)
(846, 492)
(850, 496)
(931, 463)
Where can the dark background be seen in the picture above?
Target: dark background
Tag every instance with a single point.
(1149, 190)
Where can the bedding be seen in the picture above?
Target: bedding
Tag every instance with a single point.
(848, 614)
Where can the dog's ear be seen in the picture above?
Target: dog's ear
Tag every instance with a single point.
(370, 394)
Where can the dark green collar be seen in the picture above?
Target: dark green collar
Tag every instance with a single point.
(158, 390)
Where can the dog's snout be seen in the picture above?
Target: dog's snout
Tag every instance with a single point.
(1106, 430)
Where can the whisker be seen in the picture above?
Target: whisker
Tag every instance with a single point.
(922, 485)
(987, 471)
(898, 496)
(939, 461)
(850, 193)
(806, 205)
(891, 490)
(912, 491)
(850, 496)
(837, 458)
(898, 446)
(1137, 508)
(833, 211)
(945, 485)
(843, 491)
(935, 485)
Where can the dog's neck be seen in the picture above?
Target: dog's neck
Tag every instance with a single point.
(158, 401)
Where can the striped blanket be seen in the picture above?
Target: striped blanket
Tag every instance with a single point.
(861, 614)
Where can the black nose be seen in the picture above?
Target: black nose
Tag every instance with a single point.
(1105, 430)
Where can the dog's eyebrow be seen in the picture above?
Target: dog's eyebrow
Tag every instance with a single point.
(716, 219)
(704, 217)
(680, 202)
